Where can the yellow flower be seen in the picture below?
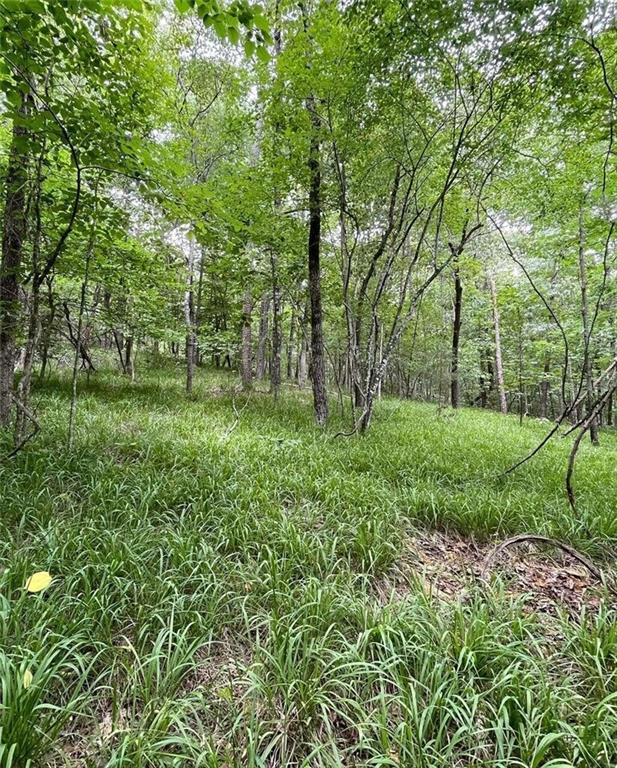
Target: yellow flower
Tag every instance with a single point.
(27, 679)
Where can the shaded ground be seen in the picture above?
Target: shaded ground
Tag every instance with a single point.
(448, 565)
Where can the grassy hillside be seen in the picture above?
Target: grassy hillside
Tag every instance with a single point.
(218, 588)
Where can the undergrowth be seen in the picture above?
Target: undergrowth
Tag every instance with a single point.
(213, 601)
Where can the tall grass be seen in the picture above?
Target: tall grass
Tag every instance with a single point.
(213, 600)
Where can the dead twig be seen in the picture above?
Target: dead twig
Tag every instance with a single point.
(237, 414)
(538, 539)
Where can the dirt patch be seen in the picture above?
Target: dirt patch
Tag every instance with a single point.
(220, 668)
(448, 567)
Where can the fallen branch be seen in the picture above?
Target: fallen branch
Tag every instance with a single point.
(538, 539)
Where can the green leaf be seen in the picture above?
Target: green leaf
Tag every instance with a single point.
(263, 54)
(219, 27)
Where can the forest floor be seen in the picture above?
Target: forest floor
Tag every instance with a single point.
(233, 587)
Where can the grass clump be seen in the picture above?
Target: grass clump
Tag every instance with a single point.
(213, 600)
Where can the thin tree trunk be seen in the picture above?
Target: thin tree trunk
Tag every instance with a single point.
(277, 334)
(119, 341)
(302, 361)
(13, 235)
(23, 390)
(80, 320)
(189, 319)
(291, 343)
(380, 358)
(503, 403)
(545, 388)
(264, 318)
(587, 359)
(482, 397)
(129, 363)
(609, 406)
(197, 308)
(24, 386)
(522, 395)
(47, 329)
(318, 362)
(456, 335)
(246, 356)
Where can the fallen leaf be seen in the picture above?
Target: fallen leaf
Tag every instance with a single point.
(38, 581)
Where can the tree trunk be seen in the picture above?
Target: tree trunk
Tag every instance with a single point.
(197, 311)
(318, 362)
(544, 389)
(503, 403)
(277, 334)
(78, 340)
(291, 343)
(129, 363)
(13, 235)
(262, 341)
(23, 389)
(456, 335)
(587, 359)
(522, 390)
(47, 329)
(302, 361)
(80, 323)
(189, 320)
(609, 406)
(246, 356)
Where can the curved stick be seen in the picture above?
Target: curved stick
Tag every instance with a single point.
(538, 539)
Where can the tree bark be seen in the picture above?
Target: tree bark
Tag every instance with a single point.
(47, 328)
(545, 388)
(129, 362)
(189, 319)
(264, 319)
(246, 355)
(302, 360)
(13, 236)
(277, 334)
(291, 343)
(318, 362)
(503, 402)
(456, 335)
(25, 383)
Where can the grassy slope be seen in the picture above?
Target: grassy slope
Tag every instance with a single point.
(213, 591)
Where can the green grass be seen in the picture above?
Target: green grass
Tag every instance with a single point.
(213, 600)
